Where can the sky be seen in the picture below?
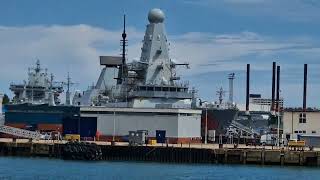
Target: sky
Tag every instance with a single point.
(216, 37)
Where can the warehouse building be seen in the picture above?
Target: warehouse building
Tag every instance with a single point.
(305, 125)
(297, 122)
(176, 125)
(42, 117)
(179, 125)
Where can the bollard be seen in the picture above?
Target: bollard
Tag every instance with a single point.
(311, 148)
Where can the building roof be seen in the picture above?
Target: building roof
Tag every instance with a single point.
(141, 110)
(309, 109)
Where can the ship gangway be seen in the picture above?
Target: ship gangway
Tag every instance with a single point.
(20, 132)
(238, 128)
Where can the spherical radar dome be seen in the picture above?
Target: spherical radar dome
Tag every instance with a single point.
(156, 16)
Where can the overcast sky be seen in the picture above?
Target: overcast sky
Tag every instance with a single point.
(216, 37)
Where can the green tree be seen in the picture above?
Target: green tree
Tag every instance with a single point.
(5, 99)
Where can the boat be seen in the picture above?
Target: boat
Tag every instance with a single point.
(39, 89)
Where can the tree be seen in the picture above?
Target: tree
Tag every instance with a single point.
(5, 99)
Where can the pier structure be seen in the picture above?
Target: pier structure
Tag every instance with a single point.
(169, 153)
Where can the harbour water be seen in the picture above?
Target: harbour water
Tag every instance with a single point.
(41, 168)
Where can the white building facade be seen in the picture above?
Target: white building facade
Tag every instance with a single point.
(301, 123)
(181, 125)
(257, 103)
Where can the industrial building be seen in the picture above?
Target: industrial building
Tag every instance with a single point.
(179, 125)
(42, 117)
(303, 125)
(298, 122)
(176, 125)
(258, 103)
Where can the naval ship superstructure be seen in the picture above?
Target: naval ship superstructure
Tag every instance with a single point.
(150, 82)
(39, 89)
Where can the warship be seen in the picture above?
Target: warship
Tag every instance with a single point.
(150, 82)
(39, 89)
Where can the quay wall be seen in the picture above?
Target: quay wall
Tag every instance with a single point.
(172, 154)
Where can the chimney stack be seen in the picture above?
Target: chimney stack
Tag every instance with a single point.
(231, 78)
(305, 77)
(273, 85)
(248, 88)
(278, 90)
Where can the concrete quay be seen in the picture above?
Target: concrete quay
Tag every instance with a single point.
(183, 153)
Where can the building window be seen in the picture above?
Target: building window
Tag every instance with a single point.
(303, 132)
(302, 118)
(313, 132)
(296, 132)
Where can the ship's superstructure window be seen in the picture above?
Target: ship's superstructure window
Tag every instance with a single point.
(302, 118)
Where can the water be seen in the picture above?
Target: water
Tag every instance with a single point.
(42, 168)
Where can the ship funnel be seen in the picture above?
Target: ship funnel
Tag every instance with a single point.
(273, 87)
(305, 76)
(248, 88)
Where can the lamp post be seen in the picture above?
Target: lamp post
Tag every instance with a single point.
(206, 121)
(114, 126)
(206, 128)
(279, 113)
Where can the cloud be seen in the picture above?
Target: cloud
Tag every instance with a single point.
(229, 52)
(288, 10)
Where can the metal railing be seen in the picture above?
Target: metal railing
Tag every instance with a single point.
(243, 128)
(20, 132)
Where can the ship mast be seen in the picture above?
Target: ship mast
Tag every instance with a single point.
(122, 70)
(68, 84)
(220, 94)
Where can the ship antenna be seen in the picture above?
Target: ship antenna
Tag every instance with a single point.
(124, 44)
(38, 68)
